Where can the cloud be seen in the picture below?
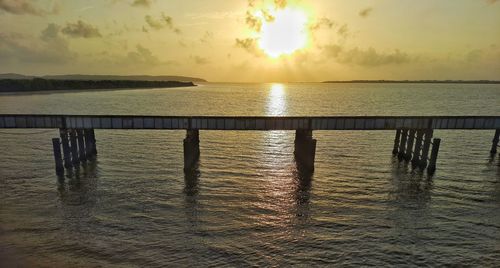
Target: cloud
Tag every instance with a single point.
(343, 31)
(207, 37)
(51, 32)
(280, 3)
(142, 55)
(369, 57)
(200, 60)
(80, 29)
(322, 23)
(155, 24)
(139, 59)
(142, 3)
(365, 12)
(163, 22)
(50, 48)
(25, 7)
(249, 45)
(253, 21)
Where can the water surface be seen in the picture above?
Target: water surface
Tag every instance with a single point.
(247, 204)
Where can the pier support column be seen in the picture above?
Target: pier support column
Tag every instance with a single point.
(425, 148)
(396, 142)
(402, 145)
(74, 148)
(94, 142)
(56, 144)
(494, 145)
(434, 154)
(409, 146)
(81, 145)
(305, 149)
(90, 146)
(191, 149)
(65, 145)
(418, 148)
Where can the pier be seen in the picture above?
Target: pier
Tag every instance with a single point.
(414, 141)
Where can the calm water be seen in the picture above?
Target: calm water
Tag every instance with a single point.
(248, 205)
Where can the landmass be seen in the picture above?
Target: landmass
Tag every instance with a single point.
(106, 77)
(418, 81)
(40, 84)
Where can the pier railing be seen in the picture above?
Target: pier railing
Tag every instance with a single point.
(249, 123)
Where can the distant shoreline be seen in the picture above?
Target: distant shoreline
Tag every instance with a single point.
(414, 82)
(40, 85)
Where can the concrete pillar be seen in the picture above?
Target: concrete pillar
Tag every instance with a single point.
(94, 142)
(434, 154)
(409, 146)
(426, 147)
(396, 142)
(65, 145)
(402, 145)
(56, 145)
(418, 148)
(305, 149)
(81, 145)
(494, 145)
(74, 148)
(89, 144)
(191, 149)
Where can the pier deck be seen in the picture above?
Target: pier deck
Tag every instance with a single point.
(262, 123)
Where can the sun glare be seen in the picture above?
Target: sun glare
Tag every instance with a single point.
(284, 34)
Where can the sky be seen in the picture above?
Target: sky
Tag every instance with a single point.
(254, 40)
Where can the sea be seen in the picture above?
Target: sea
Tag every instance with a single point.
(247, 204)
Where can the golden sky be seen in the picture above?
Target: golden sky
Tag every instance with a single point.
(254, 40)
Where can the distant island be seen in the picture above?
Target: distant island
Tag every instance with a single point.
(106, 77)
(417, 81)
(40, 84)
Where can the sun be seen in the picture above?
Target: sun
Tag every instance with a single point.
(285, 33)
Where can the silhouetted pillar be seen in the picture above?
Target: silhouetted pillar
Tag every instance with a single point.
(396, 142)
(81, 145)
(89, 144)
(434, 154)
(305, 149)
(418, 148)
(495, 142)
(74, 148)
(65, 145)
(56, 144)
(409, 146)
(94, 142)
(402, 145)
(425, 148)
(191, 149)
